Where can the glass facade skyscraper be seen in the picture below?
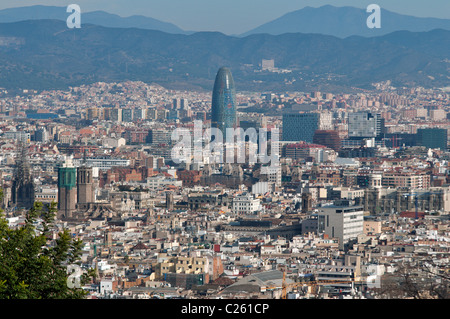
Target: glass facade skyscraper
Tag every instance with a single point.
(223, 112)
(365, 125)
(302, 126)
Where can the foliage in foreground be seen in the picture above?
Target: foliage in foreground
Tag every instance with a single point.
(33, 265)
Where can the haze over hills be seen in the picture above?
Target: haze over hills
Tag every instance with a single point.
(346, 21)
(45, 54)
(101, 18)
(329, 20)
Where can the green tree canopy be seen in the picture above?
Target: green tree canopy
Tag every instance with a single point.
(32, 264)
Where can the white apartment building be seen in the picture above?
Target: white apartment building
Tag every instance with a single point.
(246, 204)
(342, 221)
(17, 135)
(107, 163)
(160, 181)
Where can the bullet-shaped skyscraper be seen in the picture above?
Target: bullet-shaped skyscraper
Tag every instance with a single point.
(223, 112)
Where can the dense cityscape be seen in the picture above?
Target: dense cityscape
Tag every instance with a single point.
(356, 207)
(211, 158)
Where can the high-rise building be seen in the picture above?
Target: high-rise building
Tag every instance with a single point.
(127, 115)
(184, 104)
(93, 113)
(67, 190)
(22, 190)
(175, 104)
(342, 220)
(41, 135)
(139, 114)
(180, 104)
(302, 126)
(432, 138)
(328, 138)
(365, 125)
(223, 112)
(115, 114)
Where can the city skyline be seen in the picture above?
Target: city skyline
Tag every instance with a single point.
(328, 176)
(350, 207)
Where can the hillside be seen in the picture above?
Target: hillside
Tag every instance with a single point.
(45, 54)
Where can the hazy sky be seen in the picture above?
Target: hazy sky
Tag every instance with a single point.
(232, 16)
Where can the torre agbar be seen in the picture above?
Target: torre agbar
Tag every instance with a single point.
(223, 113)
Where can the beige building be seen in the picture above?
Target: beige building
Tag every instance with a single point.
(182, 265)
(372, 227)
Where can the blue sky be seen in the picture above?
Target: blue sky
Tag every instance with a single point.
(233, 16)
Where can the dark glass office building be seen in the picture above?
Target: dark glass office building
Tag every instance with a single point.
(432, 138)
(300, 126)
(223, 113)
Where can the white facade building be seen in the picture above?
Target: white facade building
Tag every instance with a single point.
(341, 221)
(246, 204)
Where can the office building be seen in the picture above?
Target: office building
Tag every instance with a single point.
(223, 112)
(365, 125)
(302, 126)
(432, 138)
(328, 138)
(341, 220)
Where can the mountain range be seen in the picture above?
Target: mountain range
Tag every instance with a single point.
(102, 18)
(45, 54)
(329, 20)
(346, 21)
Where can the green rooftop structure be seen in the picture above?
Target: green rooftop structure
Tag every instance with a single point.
(67, 189)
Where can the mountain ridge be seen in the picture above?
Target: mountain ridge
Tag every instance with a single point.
(97, 17)
(44, 54)
(345, 21)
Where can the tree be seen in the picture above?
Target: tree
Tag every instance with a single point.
(32, 264)
(420, 279)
